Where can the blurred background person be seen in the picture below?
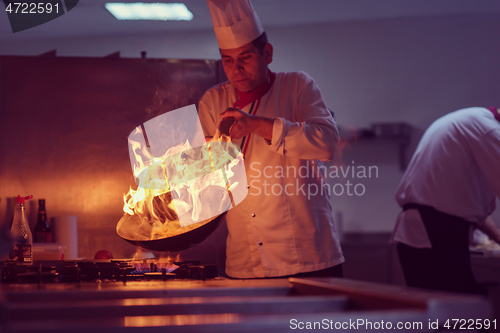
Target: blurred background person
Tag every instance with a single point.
(449, 187)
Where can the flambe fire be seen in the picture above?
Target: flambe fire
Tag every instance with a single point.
(179, 191)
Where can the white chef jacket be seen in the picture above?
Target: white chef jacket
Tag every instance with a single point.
(281, 228)
(455, 169)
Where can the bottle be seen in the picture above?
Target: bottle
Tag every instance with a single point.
(21, 234)
(42, 231)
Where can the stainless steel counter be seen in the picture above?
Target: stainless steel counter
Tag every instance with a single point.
(223, 305)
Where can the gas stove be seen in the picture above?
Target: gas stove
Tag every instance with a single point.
(59, 271)
(137, 296)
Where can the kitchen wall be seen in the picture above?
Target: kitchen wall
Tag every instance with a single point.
(409, 70)
(64, 129)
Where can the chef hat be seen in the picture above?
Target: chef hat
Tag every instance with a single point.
(235, 22)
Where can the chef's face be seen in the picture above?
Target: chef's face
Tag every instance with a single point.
(245, 66)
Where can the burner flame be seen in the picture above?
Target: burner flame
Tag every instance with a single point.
(155, 265)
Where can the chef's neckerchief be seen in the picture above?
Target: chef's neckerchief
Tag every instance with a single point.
(247, 97)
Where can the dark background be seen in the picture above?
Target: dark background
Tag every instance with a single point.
(63, 135)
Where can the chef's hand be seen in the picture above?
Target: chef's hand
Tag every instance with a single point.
(490, 228)
(246, 124)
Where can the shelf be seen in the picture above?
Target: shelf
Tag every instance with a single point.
(399, 133)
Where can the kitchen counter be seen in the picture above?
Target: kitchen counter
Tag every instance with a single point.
(486, 268)
(225, 305)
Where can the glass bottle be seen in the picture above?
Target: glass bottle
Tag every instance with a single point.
(42, 231)
(21, 234)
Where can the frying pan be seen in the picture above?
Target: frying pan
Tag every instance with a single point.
(175, 243)
(135, 231)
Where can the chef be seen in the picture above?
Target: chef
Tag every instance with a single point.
(285, 225)
(450, 185)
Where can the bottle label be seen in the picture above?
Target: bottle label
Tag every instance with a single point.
(22, 253)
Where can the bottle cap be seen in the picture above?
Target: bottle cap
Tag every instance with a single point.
(21, 199)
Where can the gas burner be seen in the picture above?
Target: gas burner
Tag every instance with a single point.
(195, 271)
(58, 271)
(192, 270)
(14, 273)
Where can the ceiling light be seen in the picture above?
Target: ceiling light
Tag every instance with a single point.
(150, 11)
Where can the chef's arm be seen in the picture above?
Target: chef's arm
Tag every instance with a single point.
(246, 124)
(311, 133)
(490, 228)
(307, 129)
(264, 127)
(315, 138)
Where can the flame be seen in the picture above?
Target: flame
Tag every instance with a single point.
(171, 187)
(142, 264)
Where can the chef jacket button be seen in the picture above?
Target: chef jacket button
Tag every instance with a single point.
(260, 243)
(253, 215)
